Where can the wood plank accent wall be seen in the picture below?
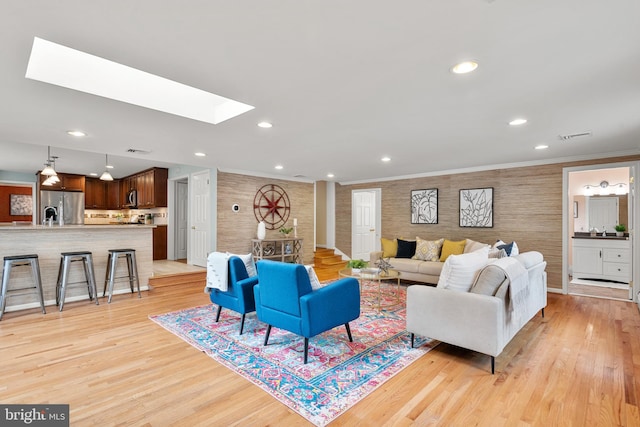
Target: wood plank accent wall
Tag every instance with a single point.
(527, 208)
(236, 229)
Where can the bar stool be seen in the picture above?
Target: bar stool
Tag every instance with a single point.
(112, 262)
(66, 258)
(16, 261)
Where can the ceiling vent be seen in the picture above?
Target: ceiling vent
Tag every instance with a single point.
(137, 151)
(571, 136)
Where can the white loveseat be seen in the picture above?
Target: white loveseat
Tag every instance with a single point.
(489, 315)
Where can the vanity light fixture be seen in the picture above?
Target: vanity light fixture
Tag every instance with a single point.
(605, 189)
(106, 176)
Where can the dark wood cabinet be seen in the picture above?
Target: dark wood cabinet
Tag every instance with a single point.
(160, 242)
(68, 182)
(150, 186)
(101, 194)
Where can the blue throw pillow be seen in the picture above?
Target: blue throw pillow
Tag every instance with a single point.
(406, 249)
(507, 248)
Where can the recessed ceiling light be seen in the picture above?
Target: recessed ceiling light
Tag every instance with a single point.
(279, 167)
(330, 175)
(109, 166)
(63, 66)
(464, 67)
(541, 147)
(93, 174)
(265, 125)
(517, 122)
(199, 154)
(76, 133)
(386, 159)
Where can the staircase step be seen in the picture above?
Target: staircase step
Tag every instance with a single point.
(326, 260)
(179, 279)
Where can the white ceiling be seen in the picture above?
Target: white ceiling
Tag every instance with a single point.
(343, 82)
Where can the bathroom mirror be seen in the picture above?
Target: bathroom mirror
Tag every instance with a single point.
(599, 212)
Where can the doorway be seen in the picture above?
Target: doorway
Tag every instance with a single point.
(182, 219)
(599, 197)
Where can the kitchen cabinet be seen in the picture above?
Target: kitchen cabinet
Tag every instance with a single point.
(101, 194)
(602, 258)
(68, 182)
(160, 242)
(151, 187)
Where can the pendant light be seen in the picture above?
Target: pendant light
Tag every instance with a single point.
(106, 176)
(48, 170)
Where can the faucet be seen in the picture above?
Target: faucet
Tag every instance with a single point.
(604, 231)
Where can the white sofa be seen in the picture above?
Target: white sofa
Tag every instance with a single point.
(421, 271)
(483, 319)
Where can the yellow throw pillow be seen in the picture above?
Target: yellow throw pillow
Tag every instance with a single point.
(389, 247)
(451, 248)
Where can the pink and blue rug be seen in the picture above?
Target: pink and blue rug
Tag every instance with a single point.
(338, 374)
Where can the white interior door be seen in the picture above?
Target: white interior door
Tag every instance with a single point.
(200, 218)
(182, 219)
(365, 223)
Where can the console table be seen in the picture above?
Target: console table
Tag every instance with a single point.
(284, 249)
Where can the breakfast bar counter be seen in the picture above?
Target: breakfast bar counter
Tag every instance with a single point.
(48, 242)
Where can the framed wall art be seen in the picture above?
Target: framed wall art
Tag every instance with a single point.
(476, 207)
(424, 206)
(21, 204)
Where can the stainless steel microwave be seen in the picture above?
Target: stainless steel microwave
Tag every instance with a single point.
(132, 199)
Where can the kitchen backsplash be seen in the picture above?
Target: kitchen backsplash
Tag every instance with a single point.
(97, 216)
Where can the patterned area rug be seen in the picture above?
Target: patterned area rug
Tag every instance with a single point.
(338, 374)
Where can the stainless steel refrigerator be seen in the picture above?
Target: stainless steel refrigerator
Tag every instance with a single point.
(72, 203)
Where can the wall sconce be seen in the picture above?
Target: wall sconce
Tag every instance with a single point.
(605, 189)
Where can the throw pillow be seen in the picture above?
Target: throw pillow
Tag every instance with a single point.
(428, 250)
(249, 264)
(451, 248)
(406, 248)
(389, 247)
(459, 271)
(511, 248)
(497, 253)
(472, 245)
(489, 280)
(313, 278)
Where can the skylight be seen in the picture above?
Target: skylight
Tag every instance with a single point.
(62, 66)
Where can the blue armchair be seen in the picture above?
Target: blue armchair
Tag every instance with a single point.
(239, 295)
(284, 299)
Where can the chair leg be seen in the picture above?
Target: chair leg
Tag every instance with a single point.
(306, 349)
(218, 313)
(413, 337)
(346, 325)
(242, 323)
(493, 365)
(266, 337)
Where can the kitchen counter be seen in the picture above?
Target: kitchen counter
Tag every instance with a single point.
(49, 242)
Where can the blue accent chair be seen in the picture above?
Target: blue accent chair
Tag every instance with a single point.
(239, 295)
(284, 299)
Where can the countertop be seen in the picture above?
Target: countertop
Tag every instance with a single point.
(599, 236)
(126, 226)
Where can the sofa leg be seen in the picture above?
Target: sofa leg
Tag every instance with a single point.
(306, 349)
(346, 325)
(493, 365)
(218, 313)
(266, 336)
(542, 311)
(242, 323)
(413, 337)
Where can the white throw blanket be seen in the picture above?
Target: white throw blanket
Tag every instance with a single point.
(217, 272)
(518, 290)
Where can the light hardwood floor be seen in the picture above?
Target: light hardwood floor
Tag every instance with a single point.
(580, 365)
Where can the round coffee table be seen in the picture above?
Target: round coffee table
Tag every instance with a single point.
(374, 275)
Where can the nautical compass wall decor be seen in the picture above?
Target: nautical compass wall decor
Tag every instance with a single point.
(271, 205)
